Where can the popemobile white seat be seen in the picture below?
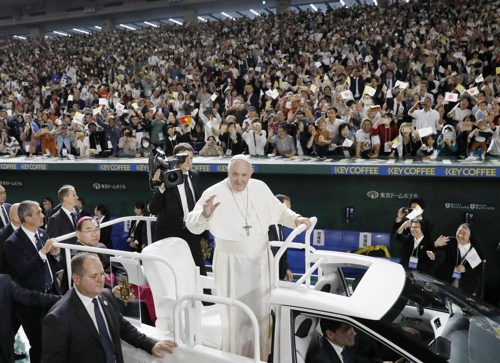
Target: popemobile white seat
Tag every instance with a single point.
(305, 336)
(162, 284)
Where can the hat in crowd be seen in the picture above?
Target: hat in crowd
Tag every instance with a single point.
(251, 108)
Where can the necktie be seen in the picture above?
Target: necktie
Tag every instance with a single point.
(345, 356)
(189, 194)
(47, 274)
(5, 216)
(73, 218)
(106, 342)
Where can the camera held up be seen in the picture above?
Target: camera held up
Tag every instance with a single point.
(171, 177)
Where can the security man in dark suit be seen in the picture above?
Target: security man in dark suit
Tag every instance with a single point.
(172, 205)
(10, 291)
(275, 233)
(64, 220)
(86, 325)
(5, 233)
(33, 264)
(4, 208)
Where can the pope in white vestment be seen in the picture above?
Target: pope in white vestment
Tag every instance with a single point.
(238, 212)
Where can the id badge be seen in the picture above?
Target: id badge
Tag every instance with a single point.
(413, 263)
(456, 275)
(346, 154)
(98, 148)
(64, 152)
(47, 152)
(160, 136)
(110, 145)
(229, 152)
(387, 148)
(27, 148)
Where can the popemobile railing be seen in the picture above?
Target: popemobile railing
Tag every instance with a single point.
(180, 299)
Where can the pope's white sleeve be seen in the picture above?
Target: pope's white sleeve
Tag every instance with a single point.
(195, 221)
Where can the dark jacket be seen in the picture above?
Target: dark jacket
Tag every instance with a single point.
(469, 280)
(69, 334)
(424, 262)
(167, 207)
(10, 291)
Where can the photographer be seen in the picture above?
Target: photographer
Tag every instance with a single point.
(426, 117)
(255, 138)
(403, 212)
(212, 148)
(9, 147)
(172, 205)
(232, 138)
(127, 143)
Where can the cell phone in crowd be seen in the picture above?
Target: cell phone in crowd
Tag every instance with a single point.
(4, 134)
(233, 133)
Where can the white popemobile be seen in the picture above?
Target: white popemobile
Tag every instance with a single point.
(404, 313)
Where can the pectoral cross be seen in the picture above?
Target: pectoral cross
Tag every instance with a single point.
(247, 228)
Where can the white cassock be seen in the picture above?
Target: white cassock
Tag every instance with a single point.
(242, 264)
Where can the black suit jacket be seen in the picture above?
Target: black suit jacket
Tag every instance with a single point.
(7, 209)
(170, 218)
(275, 236)
(424, 262)
(25, 264)
(5, 233)
(106, 233)
(361, 87)
(60, 224)
(10, 291)
(167, 207)
(70, 336)
(323, 352)
(469, 280)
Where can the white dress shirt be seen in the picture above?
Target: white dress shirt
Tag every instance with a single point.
(89, 305)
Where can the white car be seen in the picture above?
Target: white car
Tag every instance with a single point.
(397, 313)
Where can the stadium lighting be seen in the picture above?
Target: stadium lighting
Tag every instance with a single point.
(375, 2)
(314, 7)
(126, 26)
(227, 15)
(19, 37)
(342, 2)
(151, 24)
(80, 31)
(98, 27)
(63, 34)
(253, 11)
(175, 21)
(204, 20)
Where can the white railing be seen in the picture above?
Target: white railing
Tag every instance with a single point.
(289, 244)
(179, 299)
(131, 255)
(223, 301)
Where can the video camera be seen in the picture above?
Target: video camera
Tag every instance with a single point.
(171, 177)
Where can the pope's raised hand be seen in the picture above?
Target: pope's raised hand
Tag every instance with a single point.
(209, 206)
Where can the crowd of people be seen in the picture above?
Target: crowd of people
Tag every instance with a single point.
(415, 79)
